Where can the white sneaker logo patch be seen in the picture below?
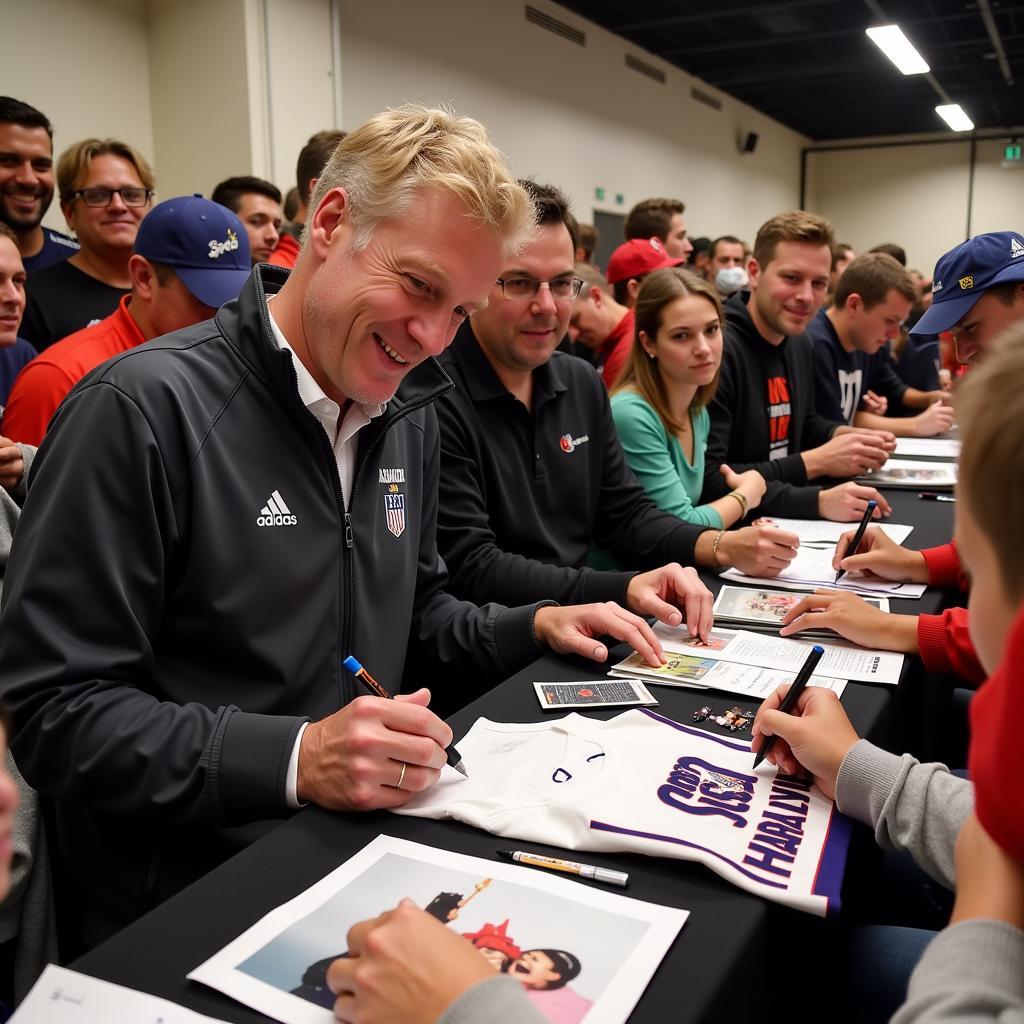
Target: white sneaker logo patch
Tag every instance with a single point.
(276, 512)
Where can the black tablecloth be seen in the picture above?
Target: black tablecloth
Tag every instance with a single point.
(733, 946)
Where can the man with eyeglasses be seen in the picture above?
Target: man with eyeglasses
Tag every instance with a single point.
(106, 188)
(532, 471)
(26, 184)
(191, 256)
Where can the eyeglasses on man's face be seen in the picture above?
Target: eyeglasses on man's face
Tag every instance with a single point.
(130, 196)
(564, 287)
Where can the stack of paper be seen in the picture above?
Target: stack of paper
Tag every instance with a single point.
(927, 447)
(811, 569)
(841, 660)
(763, 609)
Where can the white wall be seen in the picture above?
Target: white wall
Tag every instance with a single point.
(85, 65)
(569, 115)
(916, 195)
(200, 84)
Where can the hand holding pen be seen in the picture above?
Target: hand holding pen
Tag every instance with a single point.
(372, 753)
(814, 736)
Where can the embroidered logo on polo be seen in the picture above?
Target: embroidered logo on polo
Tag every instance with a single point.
(569, 443)
(394, 499)
(966, 283)
(217, 249)
(276, 512)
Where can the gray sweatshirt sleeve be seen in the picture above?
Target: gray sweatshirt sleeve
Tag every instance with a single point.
(499, 1000)
(973, 972)
(919, 808)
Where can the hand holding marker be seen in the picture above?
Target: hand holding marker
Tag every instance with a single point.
(859, 535)
(789, 701)
(353, 665)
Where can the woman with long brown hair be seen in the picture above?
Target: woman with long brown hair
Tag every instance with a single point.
(660, 400)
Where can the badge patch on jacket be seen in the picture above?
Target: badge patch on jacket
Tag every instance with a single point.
(394, 512)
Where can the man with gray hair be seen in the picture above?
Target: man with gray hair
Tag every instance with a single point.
(217, 518)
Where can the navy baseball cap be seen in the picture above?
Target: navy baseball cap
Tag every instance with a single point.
(965, 273)
(204, 243)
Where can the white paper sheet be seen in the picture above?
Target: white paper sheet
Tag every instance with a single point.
(841, 659)
(65, 996)
(929, 447)
(818, 530)
(730, 677)
(619, 941)
(811, 569)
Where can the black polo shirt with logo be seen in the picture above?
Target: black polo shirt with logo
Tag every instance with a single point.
(525, 494)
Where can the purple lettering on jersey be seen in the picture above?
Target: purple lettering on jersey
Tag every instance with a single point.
(712, 790)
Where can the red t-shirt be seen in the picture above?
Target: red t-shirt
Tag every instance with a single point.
(615, 351)
(286, 253)
(44, 382)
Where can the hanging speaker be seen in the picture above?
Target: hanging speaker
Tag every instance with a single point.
(748, 143)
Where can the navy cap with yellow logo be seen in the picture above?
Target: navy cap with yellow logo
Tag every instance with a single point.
(965, 273)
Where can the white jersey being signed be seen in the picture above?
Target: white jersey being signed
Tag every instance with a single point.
(645, 784)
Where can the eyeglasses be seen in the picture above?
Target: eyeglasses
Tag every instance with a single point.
(130, 196)
(528, 287)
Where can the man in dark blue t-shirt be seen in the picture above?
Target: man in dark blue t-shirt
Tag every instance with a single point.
(26, 184)
(854, 380)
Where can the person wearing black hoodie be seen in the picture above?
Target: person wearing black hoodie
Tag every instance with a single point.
(763, 414)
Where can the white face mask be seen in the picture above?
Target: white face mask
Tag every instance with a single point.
(730, 279)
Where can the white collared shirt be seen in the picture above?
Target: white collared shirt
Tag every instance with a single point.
(343, 441)
(327, 411)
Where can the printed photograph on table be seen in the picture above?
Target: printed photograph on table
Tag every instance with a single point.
(748, 606)
(715, 641)
(678, 668)
(583, 956)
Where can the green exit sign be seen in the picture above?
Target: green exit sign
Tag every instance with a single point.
(599, 194)
(1012, 151)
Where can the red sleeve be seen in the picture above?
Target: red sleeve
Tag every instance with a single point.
(615, 362)
(33, 400)
(996, 758)
(943, 564)
(945, 645)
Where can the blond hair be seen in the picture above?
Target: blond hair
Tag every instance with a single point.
(73, 166)
(387, 160)
(796, 226)
(641, 373)
(990, 409)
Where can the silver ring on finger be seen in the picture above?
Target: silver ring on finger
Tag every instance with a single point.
(401, 776)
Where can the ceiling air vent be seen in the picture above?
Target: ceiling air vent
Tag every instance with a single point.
(702, 97)
(542, 20)
(644, 68)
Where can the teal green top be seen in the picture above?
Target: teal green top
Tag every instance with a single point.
(658, 460)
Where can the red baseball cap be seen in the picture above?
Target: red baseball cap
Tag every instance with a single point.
(637, 257)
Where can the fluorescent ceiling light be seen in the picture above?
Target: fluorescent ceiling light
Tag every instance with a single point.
(898, 48)
(953, 114)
